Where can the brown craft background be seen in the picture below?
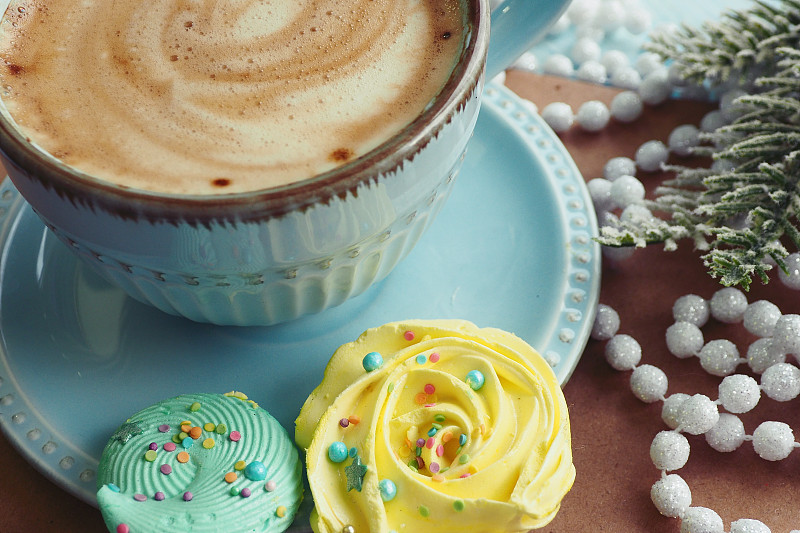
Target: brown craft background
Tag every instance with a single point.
(611, 430)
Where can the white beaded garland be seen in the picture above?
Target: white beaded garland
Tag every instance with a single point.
(691, 308)
(684, 139)
(671, 495)
(637, 20)
(649, 383)
(781, 382)
(592, 71)
(712, 121)
(619, 166)
(762, 354)
(701, 520)
(593, 115)
(791, 278)
(623, 352)
(746, 525)
(760, 318)
(773, 441)
(671, 407)
(684, 339)
(558, 116)
(630, 79)
(786, 335)
(669, 450)
(585, 49)
(719, 357)
(626, 106)
(614, 61)
(648, 62)
(739, 393)
(559, 65)
(697, 414)
(655, 87)
(600, 191)
(728, 305)
(727, 434)
(626, 190)
(606, 323)
(651, 155)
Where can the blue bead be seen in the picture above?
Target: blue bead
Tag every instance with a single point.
(475, 379)
(255, 471)
(337, 452)
(388, 489)
(372, 361)
(462, 439)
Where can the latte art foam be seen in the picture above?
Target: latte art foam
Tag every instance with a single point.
(209, 96)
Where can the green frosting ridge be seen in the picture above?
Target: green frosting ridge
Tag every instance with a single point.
(128, 474)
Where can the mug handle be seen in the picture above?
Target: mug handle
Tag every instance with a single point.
(516, 26)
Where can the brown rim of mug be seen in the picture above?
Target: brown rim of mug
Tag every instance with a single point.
(133, 204)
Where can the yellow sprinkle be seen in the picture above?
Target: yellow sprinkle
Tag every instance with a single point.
(208, 443)
(280, 511)
(473, 469)
(488, 433)
(482, 429)
(404, 451)
(240, 465)
(210, 426)
(150, 455)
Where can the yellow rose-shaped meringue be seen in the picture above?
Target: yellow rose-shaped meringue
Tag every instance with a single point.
(436, 426)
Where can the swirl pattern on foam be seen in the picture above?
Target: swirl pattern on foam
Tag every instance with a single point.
(469, 427)
(208, 97)
(148, 486)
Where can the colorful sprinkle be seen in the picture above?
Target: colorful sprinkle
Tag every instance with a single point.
(230, 477)
(221, 429)
(372, 361)
(355, 474)
(439, 450)
(123, 528)
(433, 431)
(462, 439)
(439, 418)
(473, 469)
(475, 379)
(433, 467)
(183, 457)
(140, 497)
(112, 487)
(234, 491)
(256, 471)
(458, 505)
(195, 432)
(169, 447)
(421, 398)
(194, 407)
(159, 496)
(187, 496)
(409, 335)
(434, 357)
(235, 436)
(280, 512)
(429, 388)
(424, 511)
(463, 459)
(352, 452)
(176, 438)
(418, 451)
(163, 428)
(420, 463)
(337, 452)
(150, 455)
(354, 419)
(447, 436)
(187, 443)
(270, 486)
(208, 443)
(183, 435)
(210, 426)
(166, 469)
(388, 489)
(186, 427)
(429, 443)
(421, 359)
(240, 465)
(153, 446)
(465, 475)
(245, 493)
(438, 478)
(420, 443)
(344, 422)
(127, 430)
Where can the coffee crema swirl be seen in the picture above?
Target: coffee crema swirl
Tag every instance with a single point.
(217, 97)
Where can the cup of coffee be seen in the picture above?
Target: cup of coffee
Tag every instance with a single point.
(246, 162)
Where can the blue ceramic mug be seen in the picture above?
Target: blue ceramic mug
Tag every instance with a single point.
(272, 255)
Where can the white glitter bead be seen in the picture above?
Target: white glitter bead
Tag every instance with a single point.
(655, 87)
(684, 340)
(585, 49)
(649, 383)
(729, 106)
(648, 62)
(582, 11)
(712, 121)
(614, 60)
(671, 495)
(762, 354)
(691, 308)
(610, 16)
(626, 190)
(669, 450)
(760, 318)
(637, 20)
(558, 116)
(727, 434)
(651, 155)
(791, 278)
(626, 106)
(627, 78)
(561, 25)
(606, 323)
(719, 357)
(728, 305)
(593, 115)
(773, 441)
(619, 166)
(747, 525)
(559, 65)
(671, 408)
(786, 335)
(527, 62)
(781, 382)
(683, 139)
(623, 352)
(591, 32)
(600, 191)
(592, 71)
(697, 414)
(701, 520)
(637, 214)
(739, 393)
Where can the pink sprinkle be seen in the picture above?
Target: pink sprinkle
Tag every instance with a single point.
(169, 446)
(465, 475)
(429, 443)
(187, 496)
(344, 422)
(420, 442)
(434, 357)
(153, 446)
(166, 469)
(235, 436)
(429, 389)
(140, 497)
(123, 528)
(440, 450)
(429, 405)
(245, 493)
(163, 428)
(434, 467)
(270, 486)
(408, 335)
(159, 496)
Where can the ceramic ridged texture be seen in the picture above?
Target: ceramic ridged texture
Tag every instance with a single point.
(213, 508)
(508, 474)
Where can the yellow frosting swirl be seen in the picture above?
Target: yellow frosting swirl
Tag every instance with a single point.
(457, 456)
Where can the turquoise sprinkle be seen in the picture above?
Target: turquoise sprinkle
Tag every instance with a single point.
(462, 439)
(421, 359)
(433, 431)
